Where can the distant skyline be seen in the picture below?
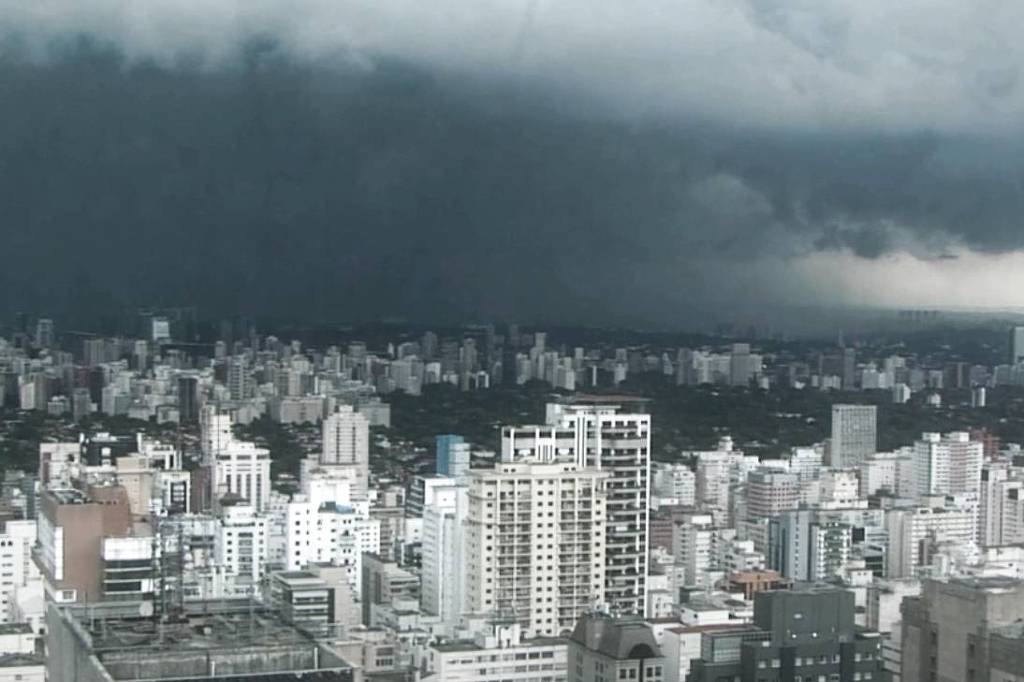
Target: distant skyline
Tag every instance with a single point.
(657, 164)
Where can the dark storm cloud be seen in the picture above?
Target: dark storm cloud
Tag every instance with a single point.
(351, 160)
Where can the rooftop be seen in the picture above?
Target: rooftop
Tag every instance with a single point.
(1013, 630)
(228, 635)
(719, 627)
(20, 660)
(69, 496)
(589, 399)
(616, 638)
(990, 583)
(461, 645)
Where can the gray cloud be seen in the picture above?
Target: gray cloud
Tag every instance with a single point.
(945, 65)
(500, 158)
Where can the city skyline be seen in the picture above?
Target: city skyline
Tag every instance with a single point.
(511, 341)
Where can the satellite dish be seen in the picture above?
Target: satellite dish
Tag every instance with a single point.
(146, 609)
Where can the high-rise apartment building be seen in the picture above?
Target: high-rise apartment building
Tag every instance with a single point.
(17, 569)
(947, 464)
(322, 527)
(815, 544)
(242, 548)
(346, 444)
(536, 542)
(188, 398)
(854, 434)
(73, 528)
(740, 372)
(676, 482)
(769, 493)
(44, 333)
(233, 466)
(693, 543)
(443, 570)
(913, 532)
(452, 454)
(599, 434)
(238, 377)
(1016, 345)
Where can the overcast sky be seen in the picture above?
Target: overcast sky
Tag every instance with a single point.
(631, 161)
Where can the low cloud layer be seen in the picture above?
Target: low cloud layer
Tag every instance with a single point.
(945, 65)
(638, 162)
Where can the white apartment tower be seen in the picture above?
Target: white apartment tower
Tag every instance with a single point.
(238, 377)
(323, 531)
(602, 436)
(17, 568)
(215, 429)
(236, 467)
(913, 531)
(536, 541)
(241, 546)
(994, 479)
(346, 443)
(854, 434)
(443, 574)
(947, 465)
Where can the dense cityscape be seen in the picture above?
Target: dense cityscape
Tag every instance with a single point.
(511, 341)
(496, 503)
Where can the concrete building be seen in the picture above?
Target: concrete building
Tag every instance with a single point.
(1000, 505)
(238, 381)
(234, 467)
(693, 541)
(675, 484)
(606, 649)
(750, 582)
(769, 493)
(947, 464)
(385, 582)
(887, 471)
(311, 600)
(598, 434)
(1006, 653)
(883, 602)
(718, 474)
(242, 547)
(346, 444)
(17, 570)
(73, 527)
(854, 434)
(207, 641)
(297, 409)
(188, 398)
(452, 455)
(807, 633)
(817, 544)
(320, 528)
(914, 532)
(536, 542)
(681, 644)
(953, 632)
(498, 654)
(443, 570)
(1016, 345)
